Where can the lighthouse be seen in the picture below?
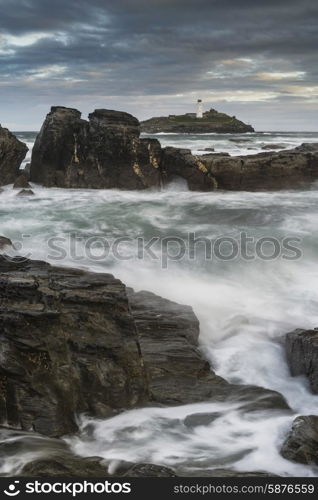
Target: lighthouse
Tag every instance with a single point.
(199, 108)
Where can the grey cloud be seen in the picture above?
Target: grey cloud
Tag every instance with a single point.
(120, 50)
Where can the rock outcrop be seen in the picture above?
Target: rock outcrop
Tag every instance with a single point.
(301, 444)
(12, 153)
(264, 171)
(68, 345)
(74, 342)
(212, 121)
(107, 152)
(177, 372)
(21, 182)
(302, 355)
(104, 152)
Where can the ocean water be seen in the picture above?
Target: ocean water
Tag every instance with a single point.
(245, 307)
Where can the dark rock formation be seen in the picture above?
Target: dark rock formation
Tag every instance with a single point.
(69, 344)
(5, 242)
(21, 182)
(74, 342)
(66, 465)
(177, 372)
(69, 465)
(25, 192)
(264, 171)
(12, 153)
(302, 355)
(107, 152)
(212, 121)
(301, 444)
(104, 152)
(182, 163)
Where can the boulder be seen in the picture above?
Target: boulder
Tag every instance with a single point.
(21, 182)
(69, 345)
(25, 192)
(302, 355)
(301, 444)
(104, 152)
(5, 242)
(177, 372)
(12, 153)
(66, 465)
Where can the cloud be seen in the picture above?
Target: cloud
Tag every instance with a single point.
(149, 57)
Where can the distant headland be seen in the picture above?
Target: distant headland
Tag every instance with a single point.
(196, 123)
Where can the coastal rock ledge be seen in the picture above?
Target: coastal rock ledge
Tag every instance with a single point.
(107, 152)
(80, 342)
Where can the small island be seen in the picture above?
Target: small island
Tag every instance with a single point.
(196, 123)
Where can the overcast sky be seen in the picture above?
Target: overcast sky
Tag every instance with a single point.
(256, 59)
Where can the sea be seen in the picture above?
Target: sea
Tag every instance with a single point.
(245, 303)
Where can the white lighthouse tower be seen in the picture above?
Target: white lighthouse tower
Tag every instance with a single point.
(199, 108)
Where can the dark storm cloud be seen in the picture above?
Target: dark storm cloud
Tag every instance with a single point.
(170, 51)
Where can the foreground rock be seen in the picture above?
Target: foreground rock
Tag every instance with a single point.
(69, 345)
(177, 372)
(104, 152)
(301, 444)
(212, 121)
(302, 355)
(12, 153)
(75, 342)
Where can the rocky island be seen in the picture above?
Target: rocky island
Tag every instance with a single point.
(189, 123)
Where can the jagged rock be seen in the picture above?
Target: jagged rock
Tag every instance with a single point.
(301, 444)
(69, 345)
(21, 182)
(212, 121)
(181, 163)
(5, 242)
(66, 465)
(25, 192)
(12, 153)
(264, 171)
(177, 372)
(69, 465)
(302, 355)
(104, 152)
(74, 342)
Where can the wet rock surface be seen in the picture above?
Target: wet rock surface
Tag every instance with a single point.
(104, 152)
(12, 153)
(302, 355)
(69, 345)
(177, 372)
(107, 152)
(301, 444)
(288, 169)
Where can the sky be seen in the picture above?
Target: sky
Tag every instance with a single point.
(256, 59)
